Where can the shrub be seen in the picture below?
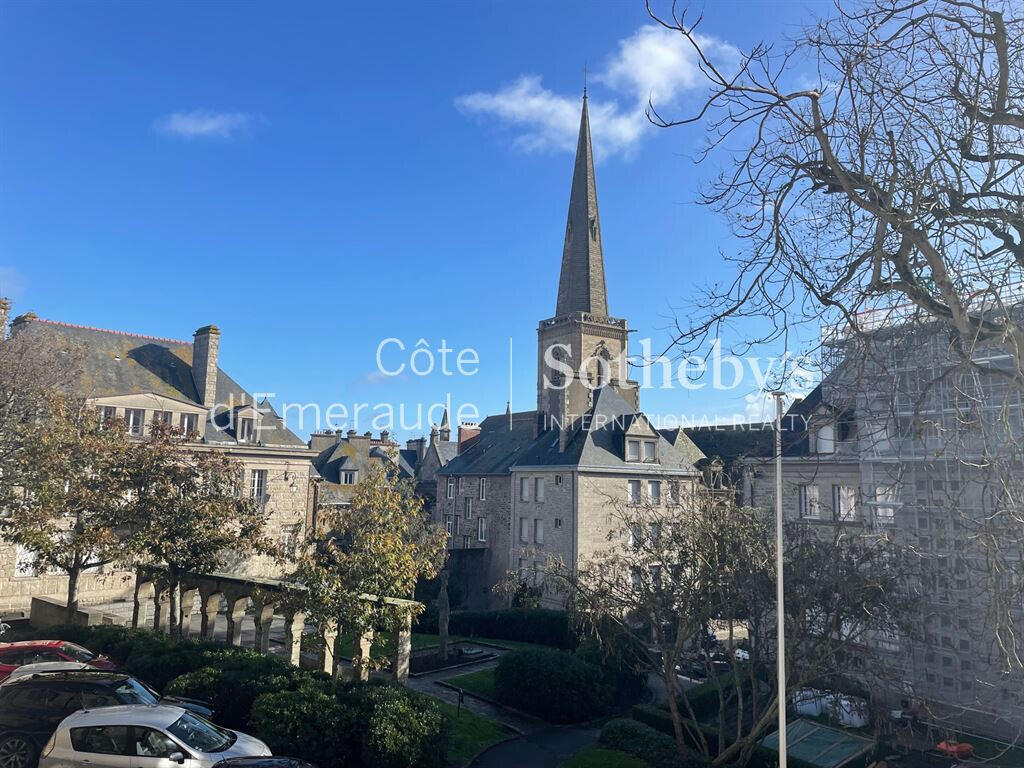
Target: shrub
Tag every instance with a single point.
(384, 726)
(653, 747)
(623, 665)
(554, 685)
(527, 625)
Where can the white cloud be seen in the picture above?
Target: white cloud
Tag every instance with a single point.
(204, 123)
(653, 63)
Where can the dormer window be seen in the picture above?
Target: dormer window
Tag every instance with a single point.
(133, 420)
(189, 423)
(107, 414)
(650, 451)
(162, 417)
(348, 477)
(826, 439)
(632, 450)
(245, 429)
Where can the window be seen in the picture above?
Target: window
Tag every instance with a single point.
(632, 450)
(456, 521)
(558, 523)
(649, 450)
(150, 743)
(101, 740)
(133, 419)
(483, 489)
(245, 429)
(558, 479)
(538, 489)
(162, 417)
(886, 499)
(468, 511)
(451, 488)
(524, 530)
(189, 423)
(538, 531)
(348, 477)
(844, 502)
(465, 542)
(481, 529)
(258, 484)
(633, 495)
(808, 501)
(826, 439)
(462, 484)
(524, 489)
(654, 491)
(24, 562)
(108, 413)
(289, 540)
(449, 524)
(673, 492)
(636, 536)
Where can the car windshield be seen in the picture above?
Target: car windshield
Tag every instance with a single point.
(200, 734)
(131, 691)
(77, 652)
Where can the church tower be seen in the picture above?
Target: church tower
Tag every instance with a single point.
(581, 336)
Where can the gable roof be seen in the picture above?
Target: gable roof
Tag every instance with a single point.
(120, 363)
(501, 439)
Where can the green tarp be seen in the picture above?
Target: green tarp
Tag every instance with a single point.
(820, 745)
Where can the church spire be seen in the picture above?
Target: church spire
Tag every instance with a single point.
(581, 284)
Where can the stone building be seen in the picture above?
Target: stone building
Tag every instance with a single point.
(530, 485)
(143, 379)
(891, 445)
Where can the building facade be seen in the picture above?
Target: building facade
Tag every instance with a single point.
(529, 486)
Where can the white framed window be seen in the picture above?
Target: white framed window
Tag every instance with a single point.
(673, 491)
(887, 499)
(25, 563)
(633, 492)
(632, 450)
(481, 529)
(538, 489)
(245, 429)
(654, 491)
(189, 423)
(808, 501)
(524, 530)
(483, 489)
(108, 413)
(826, 439)
(524, 489)
(133, 420)
(163, 417)
(462, 484)
(258, 484)
(650, 450)
(844, 502)
(538, 531)
(449, 524)
(467, 508)
(465, 542)
(451, 488)
(348, 477)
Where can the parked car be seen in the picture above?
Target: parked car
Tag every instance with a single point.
(32, 706)
(46, 666)
(144, 737)
(14, 655)
(263, 762)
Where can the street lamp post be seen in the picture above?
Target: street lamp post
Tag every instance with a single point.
(780, 614)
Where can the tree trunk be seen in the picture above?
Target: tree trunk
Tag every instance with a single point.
(443, 613)
(174, 593)
(74, 573)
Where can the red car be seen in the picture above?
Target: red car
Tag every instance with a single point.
(14, 655)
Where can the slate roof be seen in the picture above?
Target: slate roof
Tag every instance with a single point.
(358, 454)
(596, 442)
(120, 363)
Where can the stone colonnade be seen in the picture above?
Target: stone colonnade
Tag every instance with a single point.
(266, 597)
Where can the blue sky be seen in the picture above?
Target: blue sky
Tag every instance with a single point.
(315, 178)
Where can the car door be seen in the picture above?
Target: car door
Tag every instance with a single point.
(151, 748)
(99, 746)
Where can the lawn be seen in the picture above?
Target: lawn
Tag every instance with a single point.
(480, 682)
(471, 734)
(599, 757)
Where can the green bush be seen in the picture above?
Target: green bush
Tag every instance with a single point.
(653, 747)
(526, 625)
(557, 686)
(623, 663)
(384, 726)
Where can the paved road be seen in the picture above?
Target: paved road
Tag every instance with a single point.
(547, 747)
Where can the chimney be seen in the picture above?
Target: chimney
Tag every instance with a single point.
(384, 436)
(350, 435)
(319, 441)
(419, 445)
(5, 311)
(468, 432)
(434, 435)
(204, 363)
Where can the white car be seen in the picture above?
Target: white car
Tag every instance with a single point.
(138, 736)
(46, 666)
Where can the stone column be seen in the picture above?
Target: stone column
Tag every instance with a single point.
(403, 650)
(161, 609)
(293, 625)
(264, 617)
(137, 613)
(209, 604)
(330, 632)
(361, 660)
(236, 612)
(187, 610)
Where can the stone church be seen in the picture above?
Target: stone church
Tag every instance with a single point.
(529, 485)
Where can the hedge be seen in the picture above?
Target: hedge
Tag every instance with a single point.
(650, 745)
(384, 726)
(556, 686)
(527, 625)
(658, 718)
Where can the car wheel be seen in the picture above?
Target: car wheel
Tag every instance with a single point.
(17, 752)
